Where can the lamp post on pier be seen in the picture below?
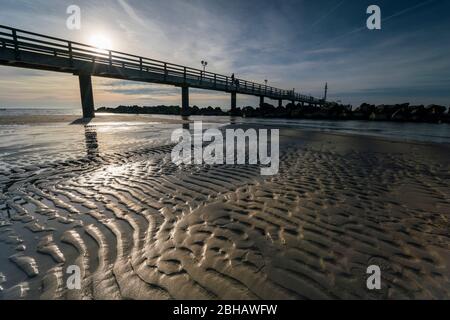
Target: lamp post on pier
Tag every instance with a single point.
(204, 64)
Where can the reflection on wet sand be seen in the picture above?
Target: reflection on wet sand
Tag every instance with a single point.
(233, 120)
(186, 121)
(92, 148)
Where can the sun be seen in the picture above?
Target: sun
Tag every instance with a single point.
(101, 41)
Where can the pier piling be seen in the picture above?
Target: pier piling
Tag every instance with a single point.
(185, 100)
(87, 96)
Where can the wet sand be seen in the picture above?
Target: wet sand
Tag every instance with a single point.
(139, 227)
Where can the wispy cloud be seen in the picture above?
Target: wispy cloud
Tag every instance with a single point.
(327, 14)
(330, 50)
(131, 12)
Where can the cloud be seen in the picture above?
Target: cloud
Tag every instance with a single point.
(330, 50)
(131, 13)
(328, 14)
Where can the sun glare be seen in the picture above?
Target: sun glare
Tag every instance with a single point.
(100, 41)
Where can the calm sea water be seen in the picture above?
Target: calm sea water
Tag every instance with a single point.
(31, 112)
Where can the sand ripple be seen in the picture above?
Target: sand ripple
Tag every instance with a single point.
(140, 227)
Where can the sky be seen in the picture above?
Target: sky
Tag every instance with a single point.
(299, 44)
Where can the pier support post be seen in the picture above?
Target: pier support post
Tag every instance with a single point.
(261, 101)
(87, 95)
(280, 103)
(233, 101)
(185, 100)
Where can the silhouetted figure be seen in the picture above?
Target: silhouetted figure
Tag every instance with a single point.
(232, 78)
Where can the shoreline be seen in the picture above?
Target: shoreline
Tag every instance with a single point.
(338, 119)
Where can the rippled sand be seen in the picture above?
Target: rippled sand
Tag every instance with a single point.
(140, 227)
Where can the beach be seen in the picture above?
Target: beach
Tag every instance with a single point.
(105, 196)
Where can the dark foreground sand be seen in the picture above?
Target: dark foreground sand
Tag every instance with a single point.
(142, 228)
